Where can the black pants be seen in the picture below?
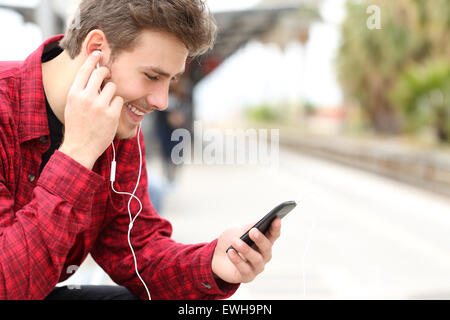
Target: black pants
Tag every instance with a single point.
(91, 293)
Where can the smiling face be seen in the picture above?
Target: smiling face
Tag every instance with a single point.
(143, 77)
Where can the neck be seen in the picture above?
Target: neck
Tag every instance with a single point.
(58, 75)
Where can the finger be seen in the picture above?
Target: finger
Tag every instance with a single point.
(244, 269)
(263, 243)
(116, 106)
(248, 226)
(95, 81)
(85, 71)
(106, 96)
(274, 231)
(249, 254)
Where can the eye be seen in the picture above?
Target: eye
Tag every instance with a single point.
(151, 77)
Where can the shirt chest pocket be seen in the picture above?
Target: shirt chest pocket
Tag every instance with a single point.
(27, 175)
(24, 190)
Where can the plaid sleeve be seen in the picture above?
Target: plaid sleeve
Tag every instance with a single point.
(35, 240)
(70, 180)
(204, 279)
(170, 270)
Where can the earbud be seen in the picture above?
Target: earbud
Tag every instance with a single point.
(97, 52)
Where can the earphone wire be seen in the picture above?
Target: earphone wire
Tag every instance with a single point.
(132, 195)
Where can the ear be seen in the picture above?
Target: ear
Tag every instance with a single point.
(96, 40)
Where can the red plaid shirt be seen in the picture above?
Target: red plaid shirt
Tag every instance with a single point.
(50, 222)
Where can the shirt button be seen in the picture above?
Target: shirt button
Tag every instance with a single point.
(206, 285)
(43, 140)
(31, 177)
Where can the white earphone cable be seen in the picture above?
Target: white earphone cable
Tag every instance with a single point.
(132, 195)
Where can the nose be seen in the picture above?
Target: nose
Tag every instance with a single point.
(159, 98)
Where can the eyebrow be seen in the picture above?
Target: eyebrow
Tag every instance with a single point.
(162, 72)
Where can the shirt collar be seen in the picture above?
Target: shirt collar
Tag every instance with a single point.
(33, 115)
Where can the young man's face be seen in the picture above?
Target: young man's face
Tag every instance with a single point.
(143, 77)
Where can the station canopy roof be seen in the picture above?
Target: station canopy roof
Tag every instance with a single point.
(279, 24)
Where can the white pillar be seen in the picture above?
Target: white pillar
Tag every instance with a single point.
(46, 18)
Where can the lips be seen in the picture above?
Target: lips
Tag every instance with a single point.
(136, 110)
(134, 115)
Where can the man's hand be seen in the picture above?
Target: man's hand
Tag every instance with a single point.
(243, 266)
(91, 117)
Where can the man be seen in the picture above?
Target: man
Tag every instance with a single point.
(59, 116)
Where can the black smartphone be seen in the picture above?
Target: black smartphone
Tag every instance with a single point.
(263, 225)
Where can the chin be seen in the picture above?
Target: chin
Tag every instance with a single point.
(128, 133)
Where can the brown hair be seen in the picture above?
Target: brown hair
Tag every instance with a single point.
(122, 20)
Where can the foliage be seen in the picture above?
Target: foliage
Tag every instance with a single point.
(371, 61)
(263, 113)
(423, 91)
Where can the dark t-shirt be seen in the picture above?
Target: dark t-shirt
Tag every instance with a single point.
(56, 127)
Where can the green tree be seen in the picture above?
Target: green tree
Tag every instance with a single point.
(423, 93)
(370, 62)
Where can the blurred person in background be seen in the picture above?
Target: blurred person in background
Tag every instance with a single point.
(62, 123)
(167, 121)
(164, 124)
